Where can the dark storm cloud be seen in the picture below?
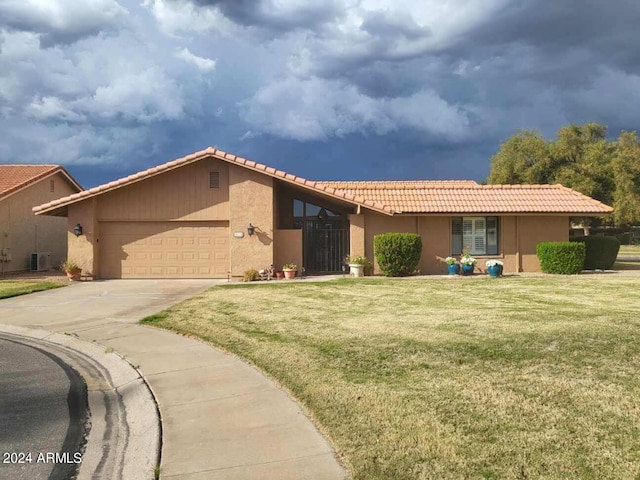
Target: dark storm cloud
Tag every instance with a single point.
(264, 14)
(607, 30)
(61, 23)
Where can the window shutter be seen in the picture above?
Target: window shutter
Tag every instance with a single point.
(479, 236)
(456, 235)
(492, 235)
(214, 180)
(467, 233)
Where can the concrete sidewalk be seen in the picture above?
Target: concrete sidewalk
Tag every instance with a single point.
(221, 418)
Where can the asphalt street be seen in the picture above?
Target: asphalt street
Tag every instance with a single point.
(43, 412)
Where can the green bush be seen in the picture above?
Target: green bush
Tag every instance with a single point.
(398, 254)
(566, 258)
(601, 251)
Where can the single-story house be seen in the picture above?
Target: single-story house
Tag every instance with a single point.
(26, 241)
(213, 214)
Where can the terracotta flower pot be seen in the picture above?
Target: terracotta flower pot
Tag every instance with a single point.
(74, 274)
(279, 275)
(289, 273)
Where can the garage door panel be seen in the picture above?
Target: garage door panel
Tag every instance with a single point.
(164, 249)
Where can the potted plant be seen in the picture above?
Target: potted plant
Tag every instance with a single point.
(279, 274)
(452, 265)
(468, 263)
(357, 265)
(289, 270)
(72, 269)
(494, 267)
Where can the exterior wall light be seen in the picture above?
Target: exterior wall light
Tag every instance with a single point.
(251, 229)
(77, 230)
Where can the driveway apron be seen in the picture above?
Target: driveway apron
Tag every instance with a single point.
(221, 418)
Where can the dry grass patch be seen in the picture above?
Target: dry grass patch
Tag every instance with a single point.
(521, 377)
(10, 288)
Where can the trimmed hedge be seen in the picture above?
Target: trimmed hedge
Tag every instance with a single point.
(601, 251)
(398, 254)
(566, 258)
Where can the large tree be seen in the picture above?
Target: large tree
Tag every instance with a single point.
(581, 157)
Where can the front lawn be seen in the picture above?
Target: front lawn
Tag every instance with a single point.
(630, 250)
(11, 288)
(519, 377)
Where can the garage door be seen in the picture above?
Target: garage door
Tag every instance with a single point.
(164, 249)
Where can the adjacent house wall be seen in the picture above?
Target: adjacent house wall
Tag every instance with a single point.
(22, 232)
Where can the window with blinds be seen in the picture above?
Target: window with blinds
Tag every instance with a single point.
(479, 234)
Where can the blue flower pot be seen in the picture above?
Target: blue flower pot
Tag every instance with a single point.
(467, 269)
(453, 269)
(495, 271)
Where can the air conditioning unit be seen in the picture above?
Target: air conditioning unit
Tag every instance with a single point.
(40, 261)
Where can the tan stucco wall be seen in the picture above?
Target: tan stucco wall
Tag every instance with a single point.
(22, 232)
(84, 249)
(376, 223)
(533, 230)
(287, 248)
(180, 194)
(250, 201)
(357, 242)
(518, 239)
(436, 244)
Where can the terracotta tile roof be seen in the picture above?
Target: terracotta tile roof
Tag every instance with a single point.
(211, 152)
(470, 197)
(389, 197)
(17, 177)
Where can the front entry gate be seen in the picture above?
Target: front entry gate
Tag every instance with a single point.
(324, 246)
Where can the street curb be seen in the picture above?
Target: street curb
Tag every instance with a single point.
(139, 454)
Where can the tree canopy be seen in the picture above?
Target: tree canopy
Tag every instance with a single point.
(581, 157)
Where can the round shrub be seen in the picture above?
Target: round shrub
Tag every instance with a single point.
(566, 258)
(398, 254)
(601, 251)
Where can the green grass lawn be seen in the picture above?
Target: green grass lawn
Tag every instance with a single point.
(518, 377)
(629, 250)
(10, 288)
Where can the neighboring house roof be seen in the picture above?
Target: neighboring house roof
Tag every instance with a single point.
(16, 177)
(470, 197)
(389, 197)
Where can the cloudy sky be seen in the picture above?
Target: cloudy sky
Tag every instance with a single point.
(331, 89)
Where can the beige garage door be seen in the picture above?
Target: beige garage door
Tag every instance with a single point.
(164, 249)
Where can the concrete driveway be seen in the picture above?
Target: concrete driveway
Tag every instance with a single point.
(221, 418)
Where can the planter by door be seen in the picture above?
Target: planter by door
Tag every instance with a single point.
(289, 273)
(495, 271)
(454, 269)
(356, 270)
(467, 269)
(279, 274)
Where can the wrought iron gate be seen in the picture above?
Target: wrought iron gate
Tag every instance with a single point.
(324, 247)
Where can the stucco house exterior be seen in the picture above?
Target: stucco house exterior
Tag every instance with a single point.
(21, 232)
(213, 214)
